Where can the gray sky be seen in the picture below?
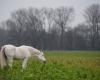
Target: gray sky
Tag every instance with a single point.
(8, 6)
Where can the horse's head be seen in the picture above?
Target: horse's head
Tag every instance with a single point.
(41, 56)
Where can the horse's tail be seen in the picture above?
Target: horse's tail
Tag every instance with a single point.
(3, 57)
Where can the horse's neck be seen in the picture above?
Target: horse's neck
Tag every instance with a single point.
(33, 50)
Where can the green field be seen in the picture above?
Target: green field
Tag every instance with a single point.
(61, 65)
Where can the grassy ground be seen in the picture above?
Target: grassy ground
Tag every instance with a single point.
(61, 65)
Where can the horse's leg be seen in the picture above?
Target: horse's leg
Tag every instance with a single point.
(24, 64)
(10, 61)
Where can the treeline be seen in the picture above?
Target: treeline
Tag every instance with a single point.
(50, 29)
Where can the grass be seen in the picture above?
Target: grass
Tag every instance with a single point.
(61, 65)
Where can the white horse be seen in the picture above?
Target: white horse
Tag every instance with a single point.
(10, 52)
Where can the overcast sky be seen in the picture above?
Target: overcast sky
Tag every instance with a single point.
(8, 6)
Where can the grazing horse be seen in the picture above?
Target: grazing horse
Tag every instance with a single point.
(10, 52)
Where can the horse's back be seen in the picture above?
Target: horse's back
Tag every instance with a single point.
(9, 46)
(22, 52)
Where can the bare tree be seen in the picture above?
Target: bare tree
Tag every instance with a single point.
(49, 17)
(63, 17)
(25, 23)
(92, 16)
